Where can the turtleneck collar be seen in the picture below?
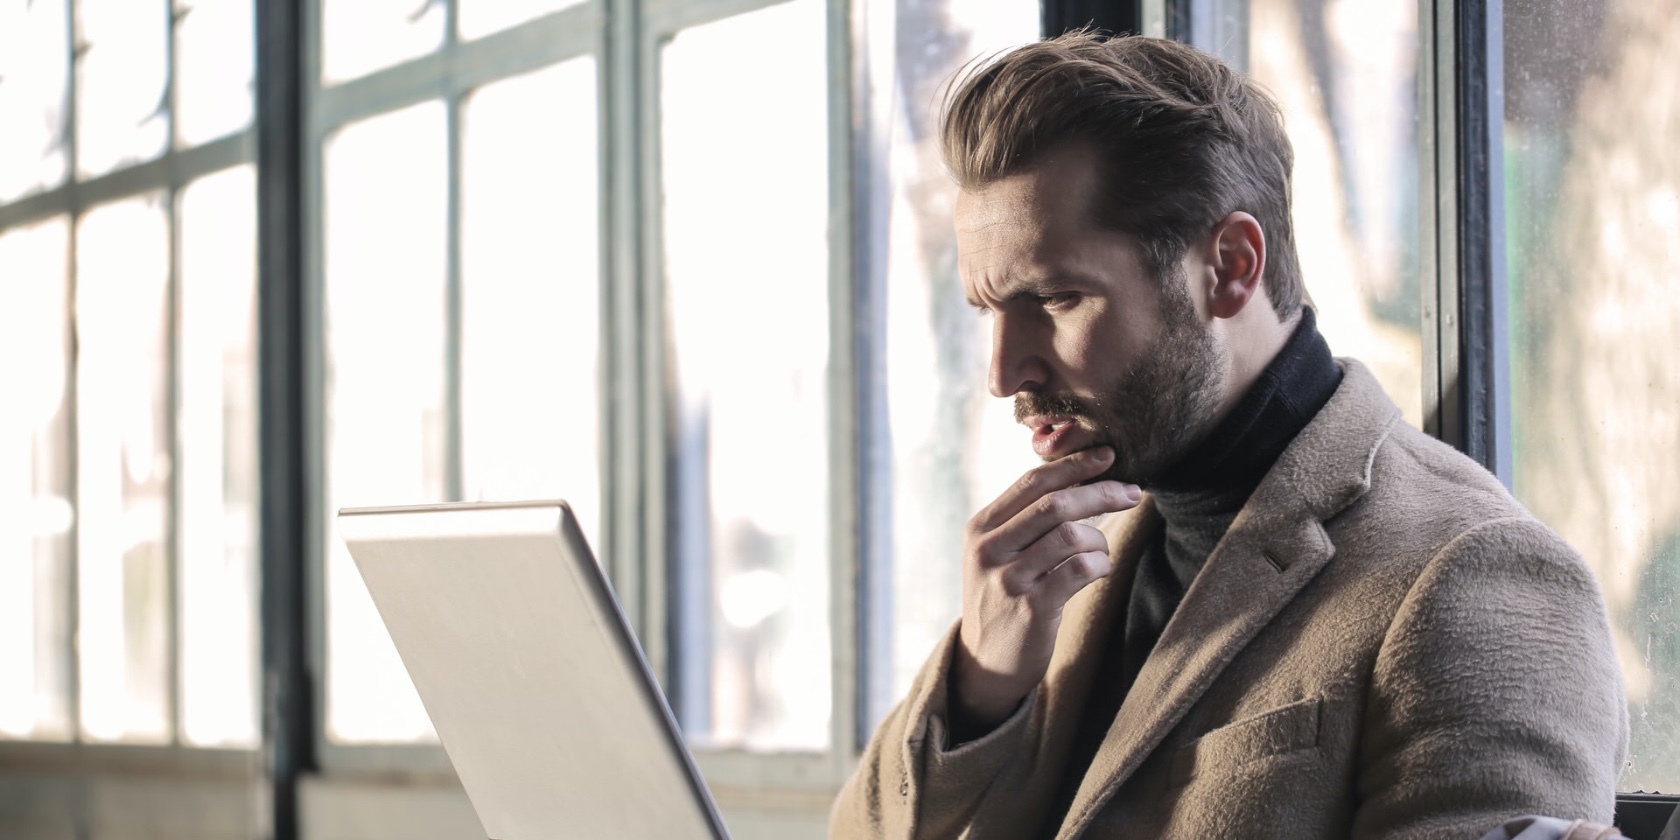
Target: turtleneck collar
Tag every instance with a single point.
(1233, 459)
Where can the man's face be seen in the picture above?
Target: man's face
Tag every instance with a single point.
(1095, 349)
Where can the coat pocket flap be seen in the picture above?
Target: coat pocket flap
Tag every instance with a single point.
(1274, 732)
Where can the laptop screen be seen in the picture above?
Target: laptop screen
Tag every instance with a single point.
(529, 672)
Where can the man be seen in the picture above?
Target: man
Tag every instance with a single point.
(1319, 622)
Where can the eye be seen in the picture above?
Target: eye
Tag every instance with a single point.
(1058, 301)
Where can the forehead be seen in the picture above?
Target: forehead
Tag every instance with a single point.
(1029, 226)
(1052, 196)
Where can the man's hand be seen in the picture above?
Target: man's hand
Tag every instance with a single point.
(1024, 556)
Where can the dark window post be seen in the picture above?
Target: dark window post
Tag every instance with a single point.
(288, 736)
(1484, 379)
(1116, 16)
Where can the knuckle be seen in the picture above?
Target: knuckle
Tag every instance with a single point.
(1054, 505)
(1079, 566)
(1095, 564)
(1014, 586)
(1070, 533)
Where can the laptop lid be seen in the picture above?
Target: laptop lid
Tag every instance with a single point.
(530, 674)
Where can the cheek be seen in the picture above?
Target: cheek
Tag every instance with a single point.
(1092, 351)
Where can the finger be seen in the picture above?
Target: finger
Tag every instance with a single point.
(1052, 591)
(1069, 504)
(1061, 473)
(1023, 570)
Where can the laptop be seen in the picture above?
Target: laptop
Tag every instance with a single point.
(529, 671)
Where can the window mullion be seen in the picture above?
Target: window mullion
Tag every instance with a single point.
(173, 540)
(453, 454)
(847, 530)
(621, 237)
(74, 573)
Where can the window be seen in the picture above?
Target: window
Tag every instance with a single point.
(459, 287)
(130, 518)
(1345, 75)
(747, 287)
(128, 495)
(1592, 239)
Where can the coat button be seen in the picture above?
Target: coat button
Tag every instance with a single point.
(904, 787)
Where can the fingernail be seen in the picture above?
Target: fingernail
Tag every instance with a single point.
(1134, 493)
(1103, 453)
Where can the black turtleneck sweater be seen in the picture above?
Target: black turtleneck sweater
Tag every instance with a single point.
(1198, 499)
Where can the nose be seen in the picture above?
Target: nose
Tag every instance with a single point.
(1017, 363)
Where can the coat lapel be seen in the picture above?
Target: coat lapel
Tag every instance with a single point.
(1276, 545)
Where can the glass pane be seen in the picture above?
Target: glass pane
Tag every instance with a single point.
(123, 470)
(386, 424)
(34, 78)
(218, 454)
(954, 447)
(35, 511)
(530, 360)
(482, 17)
(215, 46)
(746, 219)
(361, 36)
(1345, 74)
(1592, 107)
(122, 113)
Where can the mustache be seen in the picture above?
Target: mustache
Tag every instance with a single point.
(1064, 405)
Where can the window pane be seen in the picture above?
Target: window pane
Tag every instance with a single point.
(954, 447)
(35, 511)
(482, 17)
(214, 63)
(121, 110)
(530, 367)
(746, 262)
(1345, 74)
(34, 77)
(218, 454)
(1592, 107)
(123, 470)
(361, 36)
(386, 430)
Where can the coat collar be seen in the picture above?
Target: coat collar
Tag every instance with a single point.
(1275, 546)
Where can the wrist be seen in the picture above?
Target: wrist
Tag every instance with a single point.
(978, 703)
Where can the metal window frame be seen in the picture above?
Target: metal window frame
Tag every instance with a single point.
(165, 175)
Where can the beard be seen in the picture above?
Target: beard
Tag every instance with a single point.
(1159, 408)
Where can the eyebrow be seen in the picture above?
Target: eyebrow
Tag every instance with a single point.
(1022, 289)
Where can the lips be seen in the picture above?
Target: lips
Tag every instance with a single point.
(1054, 436)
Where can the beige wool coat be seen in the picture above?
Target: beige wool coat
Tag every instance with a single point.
(1384, 645)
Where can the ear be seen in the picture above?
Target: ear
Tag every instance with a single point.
(1238, 263)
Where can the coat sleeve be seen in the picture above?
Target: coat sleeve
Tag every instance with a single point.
(909, 784)
(1496, 693)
